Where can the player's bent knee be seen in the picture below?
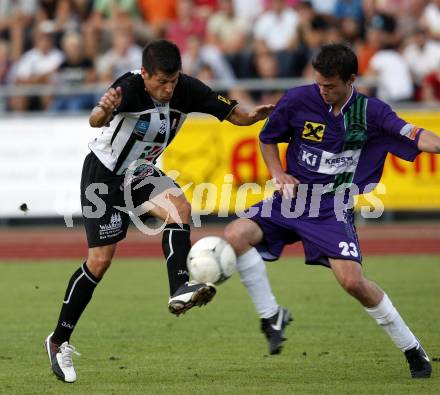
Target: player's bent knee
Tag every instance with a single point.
(236, 236)
(98, 266)
(99, 262)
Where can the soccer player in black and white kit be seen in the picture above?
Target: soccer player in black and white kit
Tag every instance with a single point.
(140, 115)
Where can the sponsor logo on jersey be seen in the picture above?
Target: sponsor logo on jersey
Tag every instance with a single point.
(115, 223)
(410, 131)
(325, 162)
(310, 157)
(141, 128)
(112, 229)
(342, 161)
(224, 99)
(141, 172)
(313, 131)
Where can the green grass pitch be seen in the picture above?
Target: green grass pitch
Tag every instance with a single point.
(130, 344)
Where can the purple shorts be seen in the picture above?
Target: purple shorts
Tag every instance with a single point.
(323, 236)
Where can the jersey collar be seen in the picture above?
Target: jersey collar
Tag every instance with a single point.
(347, 104)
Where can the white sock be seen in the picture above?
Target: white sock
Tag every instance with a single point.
(253, 275)
(389, 318)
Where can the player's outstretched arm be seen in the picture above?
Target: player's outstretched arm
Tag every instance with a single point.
(285, 182)
(429, 142)
(103, 111)
(239, 116)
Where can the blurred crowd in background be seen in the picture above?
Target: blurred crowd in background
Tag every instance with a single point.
(81, 42)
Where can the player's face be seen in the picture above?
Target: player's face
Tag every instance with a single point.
(333, 90)
(159, 85)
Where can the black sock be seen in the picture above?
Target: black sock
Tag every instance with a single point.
(78, 294)
(176, 244)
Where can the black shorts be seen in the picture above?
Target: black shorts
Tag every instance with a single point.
(107, 198)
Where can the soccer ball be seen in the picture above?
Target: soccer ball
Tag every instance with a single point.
(211, 260)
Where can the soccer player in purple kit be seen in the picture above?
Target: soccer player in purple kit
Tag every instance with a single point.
(337, 139)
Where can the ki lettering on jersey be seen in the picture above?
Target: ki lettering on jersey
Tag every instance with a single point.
(310, 157)
(325, 162)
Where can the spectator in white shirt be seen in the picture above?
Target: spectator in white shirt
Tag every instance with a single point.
(422, 55)
(394, 82)
(248, 10)
(277, 27)
(36, 66)
(431, 18)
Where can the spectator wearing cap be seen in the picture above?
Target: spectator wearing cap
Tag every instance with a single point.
(349, 9)
(350, 15)
(388, 65)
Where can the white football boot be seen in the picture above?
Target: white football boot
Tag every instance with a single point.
(60, 358)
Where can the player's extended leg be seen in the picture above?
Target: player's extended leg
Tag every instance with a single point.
(243, 234)
(377, 304)
(171, 206)
(78, 294)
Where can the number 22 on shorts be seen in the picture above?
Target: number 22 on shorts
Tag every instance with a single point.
(348, 249)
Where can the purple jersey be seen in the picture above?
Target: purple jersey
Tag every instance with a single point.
(319, 149)
(333, 151)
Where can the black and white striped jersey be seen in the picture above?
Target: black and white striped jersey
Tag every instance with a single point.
(142, 128)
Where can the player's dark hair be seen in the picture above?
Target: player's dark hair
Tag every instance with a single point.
(336, 59)
(161, 55)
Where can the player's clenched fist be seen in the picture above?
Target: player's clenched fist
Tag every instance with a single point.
(111, 99)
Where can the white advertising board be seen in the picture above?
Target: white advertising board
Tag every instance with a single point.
(40, 164)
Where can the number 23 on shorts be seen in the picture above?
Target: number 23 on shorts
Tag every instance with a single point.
(348, 249)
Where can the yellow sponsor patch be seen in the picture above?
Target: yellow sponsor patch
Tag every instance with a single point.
(224, 99)
(313, 131)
